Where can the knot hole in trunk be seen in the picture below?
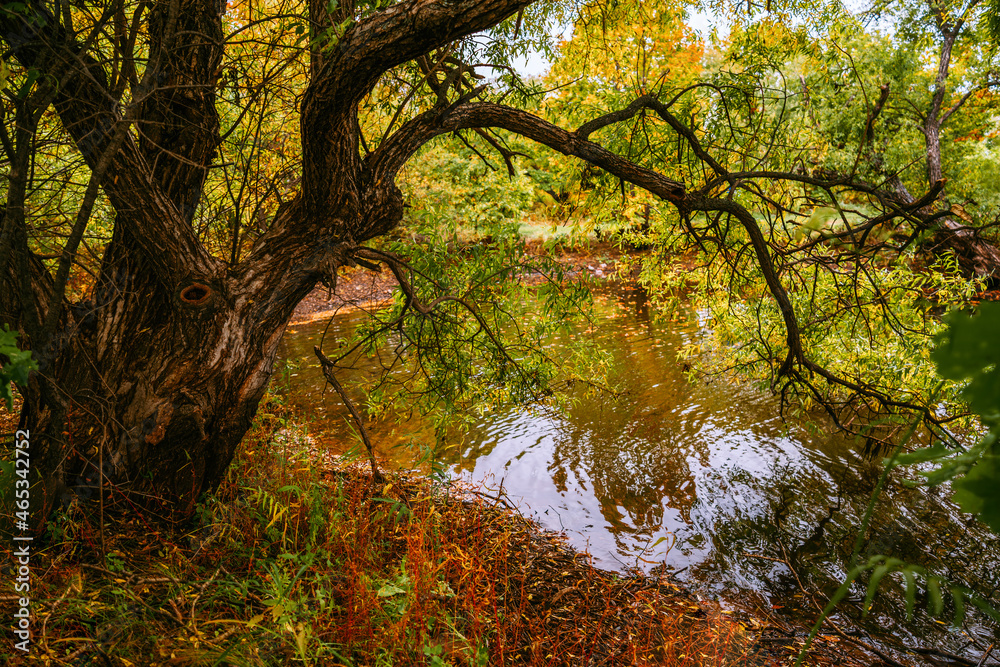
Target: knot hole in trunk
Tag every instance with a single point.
(195, 294)
(198, 296)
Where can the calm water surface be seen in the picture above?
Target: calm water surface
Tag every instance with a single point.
(699, 478)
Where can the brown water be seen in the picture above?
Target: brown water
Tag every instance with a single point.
(702, 479)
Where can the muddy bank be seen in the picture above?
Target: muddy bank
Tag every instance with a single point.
(359, 288)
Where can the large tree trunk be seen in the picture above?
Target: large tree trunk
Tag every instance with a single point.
(145, 390)
(154, 387)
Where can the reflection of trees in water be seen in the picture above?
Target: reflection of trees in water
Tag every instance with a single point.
(632, 298)
(810, 517)
(630, 448)
(637, 451)
(630, 480)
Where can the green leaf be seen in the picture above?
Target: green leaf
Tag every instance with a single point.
(958, 595)
(938, 451)
(979, 491)
(986, 608)
(33, 75)
(935, 601)
(17, 366)
(970, 349)
(389, 590)
(877, 575)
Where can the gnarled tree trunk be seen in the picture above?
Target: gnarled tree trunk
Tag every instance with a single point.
(156, 389)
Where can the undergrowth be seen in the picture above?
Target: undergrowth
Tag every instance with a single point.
(297, 559)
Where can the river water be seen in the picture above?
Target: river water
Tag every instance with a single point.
(699, 478)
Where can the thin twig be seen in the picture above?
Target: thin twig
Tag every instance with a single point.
(331, 377)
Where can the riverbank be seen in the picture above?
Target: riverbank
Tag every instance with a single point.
(359, 288)
(300, 559)
(797, 611)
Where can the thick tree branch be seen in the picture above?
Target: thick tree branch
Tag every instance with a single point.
(91, 114)
(873, 116)
(591, 126)
(396, 35)
(766, 264)
(306, 242)
(397, 149)
(663, 111)
(178, 123)
(394, 152)
(80, 225)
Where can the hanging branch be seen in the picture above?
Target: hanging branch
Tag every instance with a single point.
(331, 377)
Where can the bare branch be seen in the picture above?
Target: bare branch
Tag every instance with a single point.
(875, 112)
(331, 377)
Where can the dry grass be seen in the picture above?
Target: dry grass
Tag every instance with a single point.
(298, 559)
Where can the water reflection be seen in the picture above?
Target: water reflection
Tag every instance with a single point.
(708, 466)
